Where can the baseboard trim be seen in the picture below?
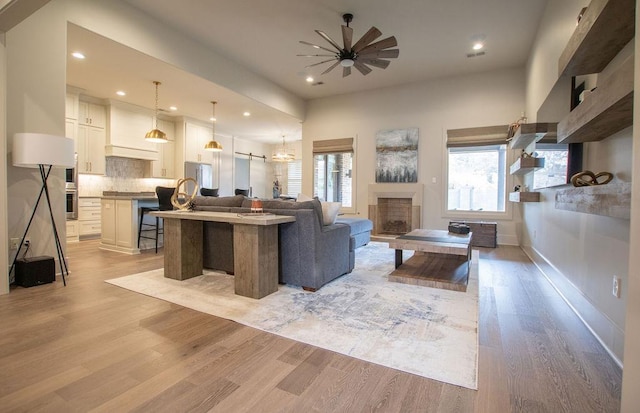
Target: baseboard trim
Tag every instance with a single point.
(579, 304)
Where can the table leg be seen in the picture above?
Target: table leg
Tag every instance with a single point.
(255, 261)
(398, 258)
(182, 248)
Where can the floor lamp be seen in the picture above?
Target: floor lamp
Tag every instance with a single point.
(42, 151)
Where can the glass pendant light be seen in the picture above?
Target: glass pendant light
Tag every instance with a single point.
(213, 145)
(156, 135)
(283, 154)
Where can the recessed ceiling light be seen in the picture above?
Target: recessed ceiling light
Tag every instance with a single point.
(309, 79)
(121, 93)
(173, 108)
(478, 46)
(246, 114)
(78, 55)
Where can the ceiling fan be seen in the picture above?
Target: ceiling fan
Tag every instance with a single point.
(360, 55)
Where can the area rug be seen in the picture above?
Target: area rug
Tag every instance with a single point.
(425, 331)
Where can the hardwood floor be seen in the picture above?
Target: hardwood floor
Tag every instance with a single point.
(94, 346)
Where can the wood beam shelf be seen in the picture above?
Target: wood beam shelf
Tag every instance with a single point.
(605, 28)
(524, 196)
(605, 111)
(525, 165)
(529, 133)
(611, 200)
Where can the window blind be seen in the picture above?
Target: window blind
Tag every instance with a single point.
(483, 136)
(333, 146)
(294, 178)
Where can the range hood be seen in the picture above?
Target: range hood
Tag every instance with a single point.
(133, 153)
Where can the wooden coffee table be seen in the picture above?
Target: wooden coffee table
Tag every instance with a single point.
(441, 259)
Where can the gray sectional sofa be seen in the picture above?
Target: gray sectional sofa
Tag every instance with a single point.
(310, 254)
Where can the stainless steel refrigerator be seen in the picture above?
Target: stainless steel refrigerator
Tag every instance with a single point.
(202, 173)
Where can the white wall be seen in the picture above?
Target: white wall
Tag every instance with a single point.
(35, 103)
(580, 253)
(631, 375)
(495, 98)
(4, 281)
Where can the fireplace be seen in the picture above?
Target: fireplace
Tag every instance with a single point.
(395, 208)
(394, 215)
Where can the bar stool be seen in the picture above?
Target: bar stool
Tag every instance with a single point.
(164, 204)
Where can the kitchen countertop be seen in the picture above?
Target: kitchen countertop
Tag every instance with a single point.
(151, 196)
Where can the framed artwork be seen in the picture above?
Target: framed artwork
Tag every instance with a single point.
(397, 155)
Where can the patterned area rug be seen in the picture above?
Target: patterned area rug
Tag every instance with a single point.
(420, 330)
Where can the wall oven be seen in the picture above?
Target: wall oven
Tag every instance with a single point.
(71, 187)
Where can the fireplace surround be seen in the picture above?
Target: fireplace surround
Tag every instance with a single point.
(395, 208)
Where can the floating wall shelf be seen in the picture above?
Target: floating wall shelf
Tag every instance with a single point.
(526, 165)
(611, 200)
(605, 28)
(524, 196)
(605, 111)
(529, 133)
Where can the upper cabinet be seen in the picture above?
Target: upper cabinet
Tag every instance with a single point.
(164, 167)
(605, 29)
(91, 114)
(196, 137)
(71, 106)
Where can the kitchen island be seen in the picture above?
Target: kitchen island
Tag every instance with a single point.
(120, 219)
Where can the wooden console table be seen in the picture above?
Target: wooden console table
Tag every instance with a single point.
(441, 259)
(255, 244)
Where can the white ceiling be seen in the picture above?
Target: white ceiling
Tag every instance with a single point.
(434, 37)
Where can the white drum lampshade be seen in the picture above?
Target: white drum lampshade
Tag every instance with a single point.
(33, 149)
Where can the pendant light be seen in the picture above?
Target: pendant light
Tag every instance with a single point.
(156, 135)
(213, 145)
(283, 154)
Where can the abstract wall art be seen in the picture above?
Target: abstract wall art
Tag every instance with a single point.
(397, 155)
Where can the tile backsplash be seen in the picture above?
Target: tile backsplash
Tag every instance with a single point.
(122, 174)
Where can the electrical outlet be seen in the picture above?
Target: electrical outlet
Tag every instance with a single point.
(616, 286)
(14, 243)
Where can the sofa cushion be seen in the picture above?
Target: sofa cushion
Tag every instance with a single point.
(225, 201)
(357, 225)
(330, 212)
(268, 204)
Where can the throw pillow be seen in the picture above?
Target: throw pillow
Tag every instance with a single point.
(303, 198)
(209, 191)
(330, 212)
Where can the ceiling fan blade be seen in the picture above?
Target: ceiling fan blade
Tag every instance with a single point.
(382, 64)
(392, 53)
(329, 39)
(362, 68)
(346, 71)
(368, 37)
(382, 44)
(316, 64)
(316, 46)
(347, 37)
(315, 55)
(330, 68)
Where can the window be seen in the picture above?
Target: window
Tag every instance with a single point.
(476, 178)
(333, 171)
(332, 177)
(294, 178)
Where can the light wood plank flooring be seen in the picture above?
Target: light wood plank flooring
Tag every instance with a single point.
(92, 346)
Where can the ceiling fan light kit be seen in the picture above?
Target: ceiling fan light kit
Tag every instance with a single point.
(361, 55)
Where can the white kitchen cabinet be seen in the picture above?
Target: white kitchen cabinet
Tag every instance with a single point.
(72, 231)
(90, 147)
(71, 106)
(120, 224)
(89, 216)
(91, 114)
(164, 167)
(196, 137)
(70, 129)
